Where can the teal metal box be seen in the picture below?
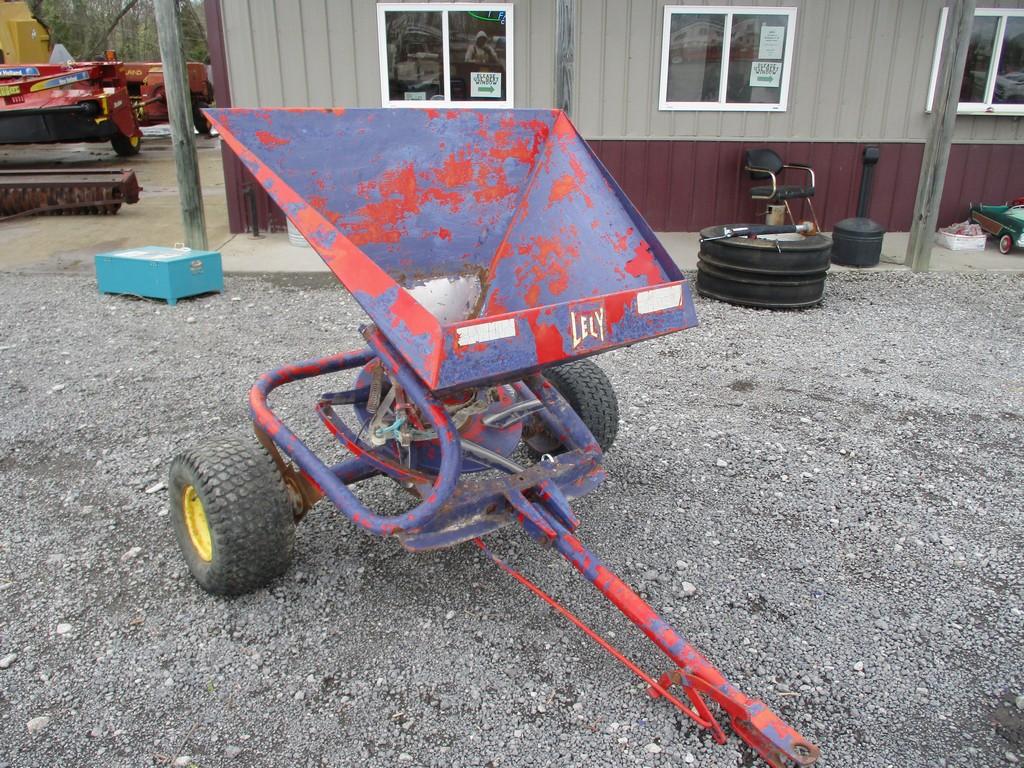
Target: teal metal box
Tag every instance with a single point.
(157, 272)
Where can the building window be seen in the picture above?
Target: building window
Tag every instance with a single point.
(726, 58)
(456, 54)
(993, 81)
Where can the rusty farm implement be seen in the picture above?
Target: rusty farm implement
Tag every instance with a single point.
(492, 252)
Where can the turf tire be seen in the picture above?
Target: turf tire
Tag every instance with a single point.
(250, 518)
(589, 392)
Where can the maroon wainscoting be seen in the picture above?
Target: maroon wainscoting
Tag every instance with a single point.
(986, 173)
(684, 186)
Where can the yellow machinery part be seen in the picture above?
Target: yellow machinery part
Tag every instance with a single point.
(23, 39)
(196, 524)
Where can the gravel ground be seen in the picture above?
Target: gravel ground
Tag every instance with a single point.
(842, 486)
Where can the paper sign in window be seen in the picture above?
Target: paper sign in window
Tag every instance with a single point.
(485, 85)
(765, 74)
(772, 43)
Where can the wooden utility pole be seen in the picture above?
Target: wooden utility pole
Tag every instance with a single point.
(940, 136)
(565, 53)
(179, 110)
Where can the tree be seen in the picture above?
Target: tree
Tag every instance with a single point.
(89, 27)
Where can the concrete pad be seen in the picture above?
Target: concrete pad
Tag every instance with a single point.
(269, 253)
(683, 248)
(69, 243)
(894, 247)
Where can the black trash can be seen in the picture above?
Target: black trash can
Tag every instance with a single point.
(857, 243)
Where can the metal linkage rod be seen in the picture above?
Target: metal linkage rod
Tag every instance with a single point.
(764, 731)
(326, 480)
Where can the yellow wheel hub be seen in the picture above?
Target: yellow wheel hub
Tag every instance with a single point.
(196, 523)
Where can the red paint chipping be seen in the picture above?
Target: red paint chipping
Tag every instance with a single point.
(457, 170)
(504, 147)
(492, 185)
(563, 128)
(380, 222)
(419, 322)
(569, 183)
(267, 139)
(531, 295)
(645, 265)
(616, 307)
(619, 242)
(451, 200)
(549, 260)
(562, 187)
(548, 342)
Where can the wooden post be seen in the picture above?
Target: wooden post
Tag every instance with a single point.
(179, 110)
(565, 53)
(955, 41)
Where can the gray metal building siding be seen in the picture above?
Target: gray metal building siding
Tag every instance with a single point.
(861, 67)
(299, 53)
(861, 72)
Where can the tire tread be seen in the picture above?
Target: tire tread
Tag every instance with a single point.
(587, 389)
(248, 511)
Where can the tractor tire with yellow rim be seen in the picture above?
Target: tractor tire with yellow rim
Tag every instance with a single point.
(232, 516)
(126, 146)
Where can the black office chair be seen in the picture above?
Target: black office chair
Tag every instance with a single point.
(764, 164)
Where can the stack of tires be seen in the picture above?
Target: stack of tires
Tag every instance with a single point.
(770, 272)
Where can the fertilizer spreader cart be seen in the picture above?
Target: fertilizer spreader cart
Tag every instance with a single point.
(492, 252)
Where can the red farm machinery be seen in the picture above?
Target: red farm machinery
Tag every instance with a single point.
(91, 101)
(146, 88)
(493, 252)
(49, 103)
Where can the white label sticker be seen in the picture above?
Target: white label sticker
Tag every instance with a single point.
(485, 85)
(765, 74)
(481, 332)
(668, 297)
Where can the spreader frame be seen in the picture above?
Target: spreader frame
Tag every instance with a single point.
(536, 498)
(571, 270)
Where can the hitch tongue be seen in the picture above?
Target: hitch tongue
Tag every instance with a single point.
(778, 743)
(752, 720)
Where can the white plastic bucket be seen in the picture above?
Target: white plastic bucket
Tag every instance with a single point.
(295, 237)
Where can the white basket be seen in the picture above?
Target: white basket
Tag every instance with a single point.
(295, 237)
(960, 242)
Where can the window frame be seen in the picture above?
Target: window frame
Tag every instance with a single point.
(976, 107)
(728, 11)
(447, 103)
